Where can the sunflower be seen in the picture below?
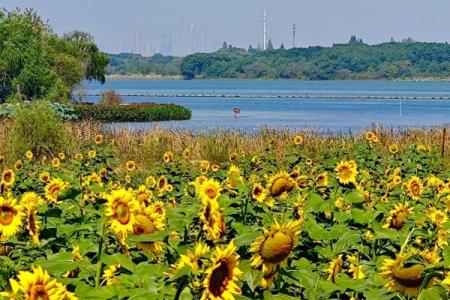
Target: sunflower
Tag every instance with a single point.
(298, 140)
(221, 278)
(309, 161)
(213, 220)
(191, 259)
(162, 182)
(62, 156)
(92, 154)
(31, 199)
(421, 148)
(98, 139)
(259, 193)
(398, 216)
(369, 135)
(44, 160)
(8, 178)
(168, 156)
(109, 274)
(215, 168)
(346, 172)
(274, 246)
(44, 177)
(334, 268)
(414, 187)
(279, 184)
(121, 210)
(29, 155)
(11, 215)
(143, 196)
(234, 171)
(78, 156)
(150, 181)
(18, 165)
(131, 166)
(209, 190)
(186, 153)
(393, 148)
(233, 156)
(406, 272)
(148, 222)
(302, 181)
(56, 162)
(53, 189)
(322, 179)
(33, 224)
(437, 217)
(39, 285)
(103, 172)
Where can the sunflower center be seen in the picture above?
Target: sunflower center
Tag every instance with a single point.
(144, 225)
(7, 177)
(409, 277)
(258, 191)
(6, 215)
(54, 189)
(345, 173)
(219, 279)
(415, 189)
(280, 186)
(211, 192)
(38, 292)
(123, 213)
(277, 247)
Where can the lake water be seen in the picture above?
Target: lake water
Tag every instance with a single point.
(320, 105)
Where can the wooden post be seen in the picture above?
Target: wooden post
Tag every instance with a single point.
(444, 136)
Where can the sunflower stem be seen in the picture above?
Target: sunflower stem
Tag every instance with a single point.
(99, 255)
(407, 239)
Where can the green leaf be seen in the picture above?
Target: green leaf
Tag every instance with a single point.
(246, 238)
(355, 197)
(118, 258)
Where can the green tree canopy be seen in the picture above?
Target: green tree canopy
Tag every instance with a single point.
(37, 63)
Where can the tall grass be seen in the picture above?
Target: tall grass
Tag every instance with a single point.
(147, 147)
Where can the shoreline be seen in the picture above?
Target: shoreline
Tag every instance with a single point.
(151, 77)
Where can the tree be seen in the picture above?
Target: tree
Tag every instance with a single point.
(36, 63)
(224, 45)
(270, 45)
(282, 47)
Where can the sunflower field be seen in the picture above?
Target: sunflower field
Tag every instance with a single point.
(361, 221)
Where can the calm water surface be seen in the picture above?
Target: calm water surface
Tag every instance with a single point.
(321, 105)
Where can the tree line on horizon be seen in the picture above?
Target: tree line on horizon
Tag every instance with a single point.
(353, 60)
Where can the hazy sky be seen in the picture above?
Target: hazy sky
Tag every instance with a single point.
(118, 25)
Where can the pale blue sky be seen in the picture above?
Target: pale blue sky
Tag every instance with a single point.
(139, 24)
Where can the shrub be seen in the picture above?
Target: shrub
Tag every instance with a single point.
(144, 112)
(38, 128)
(110, 98)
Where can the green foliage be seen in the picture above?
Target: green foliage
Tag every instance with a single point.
(143, 112)
(355, 60)
(36, 63)
(63, 111)
(38, 128)
(127, 63)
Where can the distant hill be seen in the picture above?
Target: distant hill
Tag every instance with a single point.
(355, 60)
